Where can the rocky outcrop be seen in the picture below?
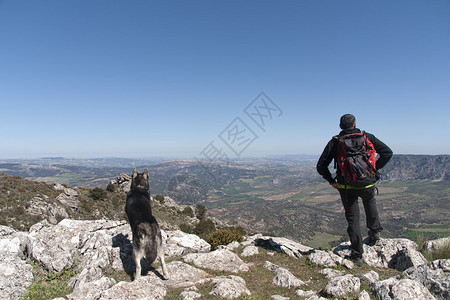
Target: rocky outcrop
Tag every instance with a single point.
(399, 254)
(393, 288)
(435, 276)
(97, 248)
(15, 274)
(436, 245)
(69, 198)
(54, 212)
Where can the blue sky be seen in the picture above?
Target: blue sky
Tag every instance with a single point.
(167, 78)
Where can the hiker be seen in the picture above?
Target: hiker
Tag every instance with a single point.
(356, 174)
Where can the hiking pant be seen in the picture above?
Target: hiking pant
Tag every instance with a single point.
(349, 199)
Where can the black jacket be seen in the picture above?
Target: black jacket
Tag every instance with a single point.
(330, 153)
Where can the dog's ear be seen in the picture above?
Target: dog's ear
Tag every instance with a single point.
(134, 174)
(146, 174)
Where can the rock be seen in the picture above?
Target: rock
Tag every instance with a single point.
(436, 244)
(331, 273)
(124, 182)
(69, 198)
(279, 297)
(183, 275)
(283, 278)
(399, 254)
(371, 276)
(15, 274)
(329, 259)
(231, 246)
(305, 294)
(435, 276)
(58, 187)
(92, 290)
(393, 288)
(315, 297)
(51, 211)
(219, 260)
(249, 251)
(229, 287)
(189, 295)
(281, 245)
(342, 285)
(143, 288)
(179, 243)
(364, 295)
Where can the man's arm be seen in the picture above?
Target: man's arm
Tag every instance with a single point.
(382, 149)
(324, 161)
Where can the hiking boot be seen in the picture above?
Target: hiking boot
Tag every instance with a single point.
(374, 237)
(356, 259)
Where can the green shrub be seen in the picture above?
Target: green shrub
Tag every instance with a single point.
(186, 228)
(111, 187)
(204, 228)
(200, 212)
(97, 194)
(160, 199)
(188, 211)
(225, 236)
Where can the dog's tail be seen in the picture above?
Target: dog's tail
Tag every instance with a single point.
(151, 241)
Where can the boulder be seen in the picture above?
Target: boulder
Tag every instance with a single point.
(393, 289)
(143, 288)
(329, 259)
(69, 198)
(15, 274)
(435, 276)
(229, 287)
(280, 245)
(283, 278)
(435, 245)
(182, 275)
(250, 251)
(342, 285)
(51, 211)
(219, 260)
(399, 254)
(179, 243)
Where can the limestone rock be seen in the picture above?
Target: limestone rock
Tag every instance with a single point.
(220, 260)
(436, 244)
(278, 297)
(184, 275)
(399, 254)
(281, 245)
(179, 243)
(371, 276)
(305, 294)
(69, 198)
(15, 274)
(229, 287)
(434, 275)
(250, 251)
(124, 182)
(331, 273)
(329, 259)
(143, 288)
(364, 295)
(393, 289)
(51, 211)
(283, 278)
(341, 285)
(92, 290)
(190, 295)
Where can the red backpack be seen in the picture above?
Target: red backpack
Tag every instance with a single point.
(356, 159)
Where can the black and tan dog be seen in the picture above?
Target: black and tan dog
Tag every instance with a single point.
(147, 241)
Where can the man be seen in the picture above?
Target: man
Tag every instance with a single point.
(350, 194)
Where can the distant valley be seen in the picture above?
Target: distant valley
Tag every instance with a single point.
(280, 195)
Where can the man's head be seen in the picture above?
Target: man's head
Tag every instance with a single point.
(347, 121)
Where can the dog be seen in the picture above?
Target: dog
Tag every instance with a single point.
(147, 240)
